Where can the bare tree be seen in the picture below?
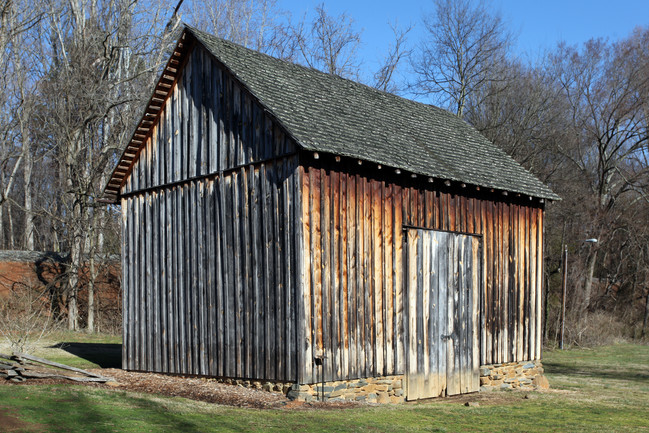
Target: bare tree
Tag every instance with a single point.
(464, 50)
(384, 77)
(606, 86)
(331, 43)
(259, 25)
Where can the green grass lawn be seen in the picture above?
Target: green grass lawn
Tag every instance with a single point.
(593, 390)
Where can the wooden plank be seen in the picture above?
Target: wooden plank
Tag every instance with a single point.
(475, 314)
(368, 289)
(191, 282)
(55, 364)
(237, 276)
(180, 280)
(203, 285)
(229, 283)
(325, 231)
(271, 284)
(256, 247)
(413, 391)
(424, 334)
(316, 266)
(246, 274)
(219, 92)
(128, 260)
(279, 286)
(333, 272)
(211, 277)
(279, 268)
(388, 266)
(306, 270)
(360, 280)
(291, 216)
(525, 297)
(398, 271)
(433, 313)
(344, 277)
(464, 270)
(193, 286)
(154, 328)
(378, 282)
(444, 313)
(221, 275)
(352, 281)
(452, 385)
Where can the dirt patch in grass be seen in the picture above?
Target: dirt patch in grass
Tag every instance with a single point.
(194, 388)
(10, 423)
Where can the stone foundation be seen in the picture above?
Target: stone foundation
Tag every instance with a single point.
(283, 387)
(387, 389)
(527, 375)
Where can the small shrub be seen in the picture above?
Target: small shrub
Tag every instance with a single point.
(24, 317)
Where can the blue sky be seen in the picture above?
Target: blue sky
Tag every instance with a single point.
(539, 25)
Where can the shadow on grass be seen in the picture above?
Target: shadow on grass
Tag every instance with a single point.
(105, 355)
(602, 373)
(70, 410)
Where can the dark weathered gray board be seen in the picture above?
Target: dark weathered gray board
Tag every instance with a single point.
(210, 286)
(353, 268)
(207, 125)
(442, 291)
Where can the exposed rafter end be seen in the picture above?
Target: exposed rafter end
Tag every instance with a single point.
(360, 162)
(397, 171)
(337, 158)
(316, 155)
(413, 175)
(447, 182)
(430, 180)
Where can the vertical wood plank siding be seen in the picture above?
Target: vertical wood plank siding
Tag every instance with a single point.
(209, 236)
(218, 293)
(355, 253)
(208, 124)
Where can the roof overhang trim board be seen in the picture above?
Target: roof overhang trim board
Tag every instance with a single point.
(163, 88)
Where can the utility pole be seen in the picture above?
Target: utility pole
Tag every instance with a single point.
(563, 293)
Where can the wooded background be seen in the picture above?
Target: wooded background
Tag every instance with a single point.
(75, 74)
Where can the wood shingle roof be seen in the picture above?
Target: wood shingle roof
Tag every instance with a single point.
(328, 114)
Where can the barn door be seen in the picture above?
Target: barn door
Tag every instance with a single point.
(443, 278)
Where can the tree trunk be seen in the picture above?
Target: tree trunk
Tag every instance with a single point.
(2, 228)
(10, 227)
(28, 242)
(76, 246)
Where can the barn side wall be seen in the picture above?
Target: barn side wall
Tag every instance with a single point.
(209, 237)
(209, 277)
(353, 267)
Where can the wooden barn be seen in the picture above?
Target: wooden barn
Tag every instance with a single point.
(282, 225)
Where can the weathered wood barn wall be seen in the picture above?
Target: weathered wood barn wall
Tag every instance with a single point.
(209, 235)
(354, 266)
(249, 252)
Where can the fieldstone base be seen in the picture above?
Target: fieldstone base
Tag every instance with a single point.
(283, 387)
(387, 389)
(527, 375)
